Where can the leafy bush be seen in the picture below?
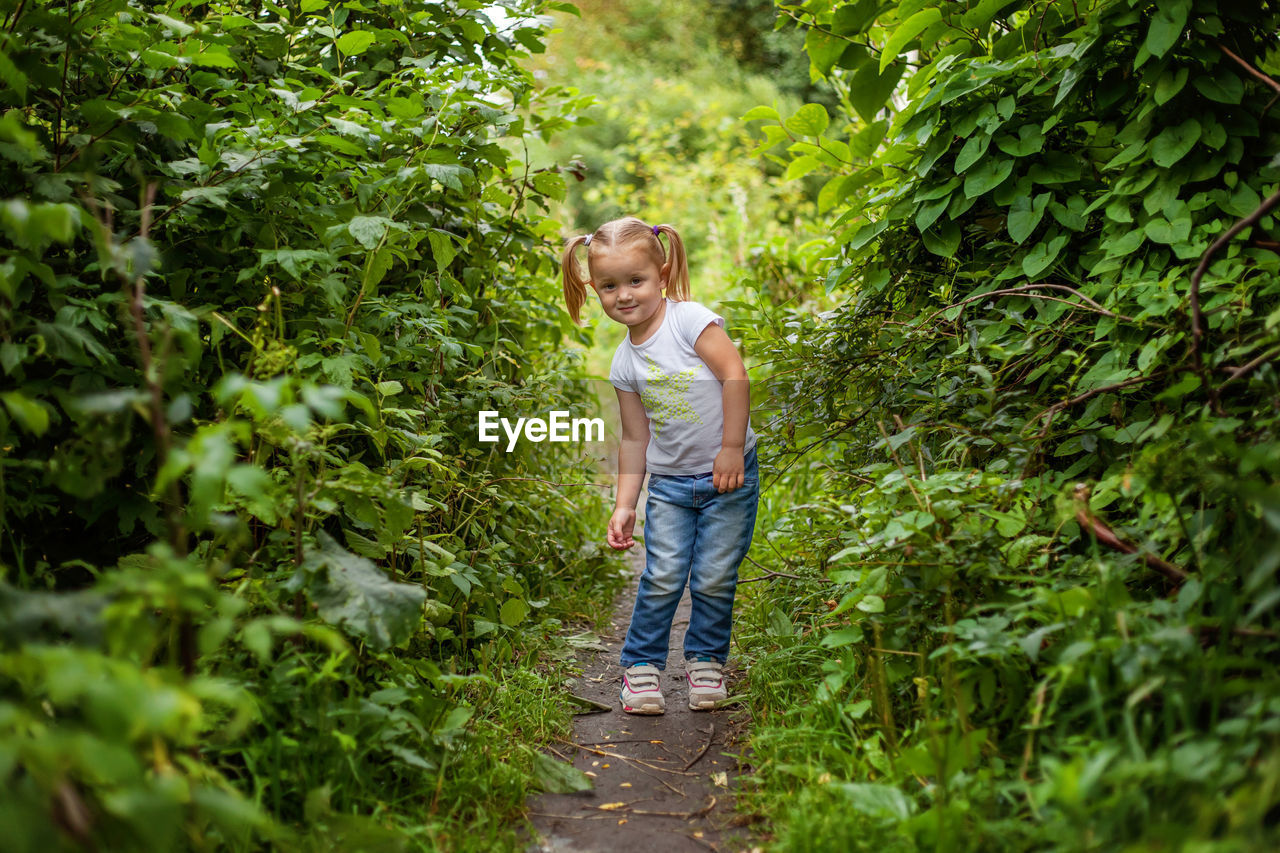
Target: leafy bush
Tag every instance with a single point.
(260, 266)
(1038, 574)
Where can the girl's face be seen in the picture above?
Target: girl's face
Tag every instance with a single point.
(630, 286)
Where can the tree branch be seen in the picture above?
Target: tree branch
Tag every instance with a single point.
(1250, 69)
(1029, 288)
(1197, 316)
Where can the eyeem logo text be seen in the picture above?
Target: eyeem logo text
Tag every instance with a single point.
(559, 428)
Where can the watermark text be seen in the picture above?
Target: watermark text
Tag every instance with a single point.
(560, 427)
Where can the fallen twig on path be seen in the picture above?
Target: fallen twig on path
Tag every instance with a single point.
(593, 707)
(623, 740)
(626, 758)
(703, 842)
(571, 816)
(622, 807)
(711, 735)
(639, 764)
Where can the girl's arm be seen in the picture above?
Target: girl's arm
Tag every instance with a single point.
(631, 468)
(714, 347)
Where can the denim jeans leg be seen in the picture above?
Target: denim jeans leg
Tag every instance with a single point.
(669, 527)
(725, 526)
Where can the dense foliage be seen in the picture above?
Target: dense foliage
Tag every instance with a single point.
(261, 264)
(1034, 565)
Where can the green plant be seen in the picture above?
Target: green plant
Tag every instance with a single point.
(261, 265)
(1041, 568)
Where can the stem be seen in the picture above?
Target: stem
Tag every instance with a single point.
(1197, 316)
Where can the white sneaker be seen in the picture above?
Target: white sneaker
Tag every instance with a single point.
(642, 690)
(706, 684)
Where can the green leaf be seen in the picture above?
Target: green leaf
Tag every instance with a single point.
(550, 184)
(442, 248)
(339, 144)
(1174, 143)
(448, 174)
(12, 76)
(988, 175)
(1224, 87)
(212, 454)
(1124, 245)
(906, 32)
(1042, 255)
(214, 57)
(1170, 83)
(884, 802)
(801, 166)
(1159, 230)
(513, 612)
(159, 59)
(928, 212)
(974, 149)
(824, 49)
(356, 42)
(29, 414)
(871, 87)
(369, 230)
(352, 593)
(1025, 214)
(871, 604)
(1030, 140)
(855, 17)
(832, 193)
(559, 777)
(979, 16)
(809, 120)
(1111, 368)
(173, 25)
(943, 239)
(1167, 24)
(757, 113)
(1008, 525)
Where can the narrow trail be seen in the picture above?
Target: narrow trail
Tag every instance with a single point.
(661, 783)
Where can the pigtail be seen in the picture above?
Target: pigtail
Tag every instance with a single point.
(575, 287)
(678, 276)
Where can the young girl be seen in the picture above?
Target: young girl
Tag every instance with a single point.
(684, 397)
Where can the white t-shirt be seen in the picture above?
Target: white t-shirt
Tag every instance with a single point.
(682, 397)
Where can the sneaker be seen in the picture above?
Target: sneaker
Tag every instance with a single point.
(706, 684)
(642, 690)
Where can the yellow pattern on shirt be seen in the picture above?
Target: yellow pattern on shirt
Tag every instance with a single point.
(667, 396)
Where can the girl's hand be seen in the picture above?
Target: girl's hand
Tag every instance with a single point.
(621, 525)
(728, 472)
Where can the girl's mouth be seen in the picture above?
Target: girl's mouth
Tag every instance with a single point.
(628, 308)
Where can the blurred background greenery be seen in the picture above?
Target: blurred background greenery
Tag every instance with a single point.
(664, 140)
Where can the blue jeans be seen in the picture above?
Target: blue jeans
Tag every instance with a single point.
(695, 535)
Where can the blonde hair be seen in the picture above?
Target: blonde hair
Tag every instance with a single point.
(624, 232)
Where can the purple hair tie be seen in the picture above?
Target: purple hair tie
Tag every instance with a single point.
(587, 242)
(655, 230)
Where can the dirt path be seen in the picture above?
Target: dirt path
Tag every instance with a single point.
(662, 783)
